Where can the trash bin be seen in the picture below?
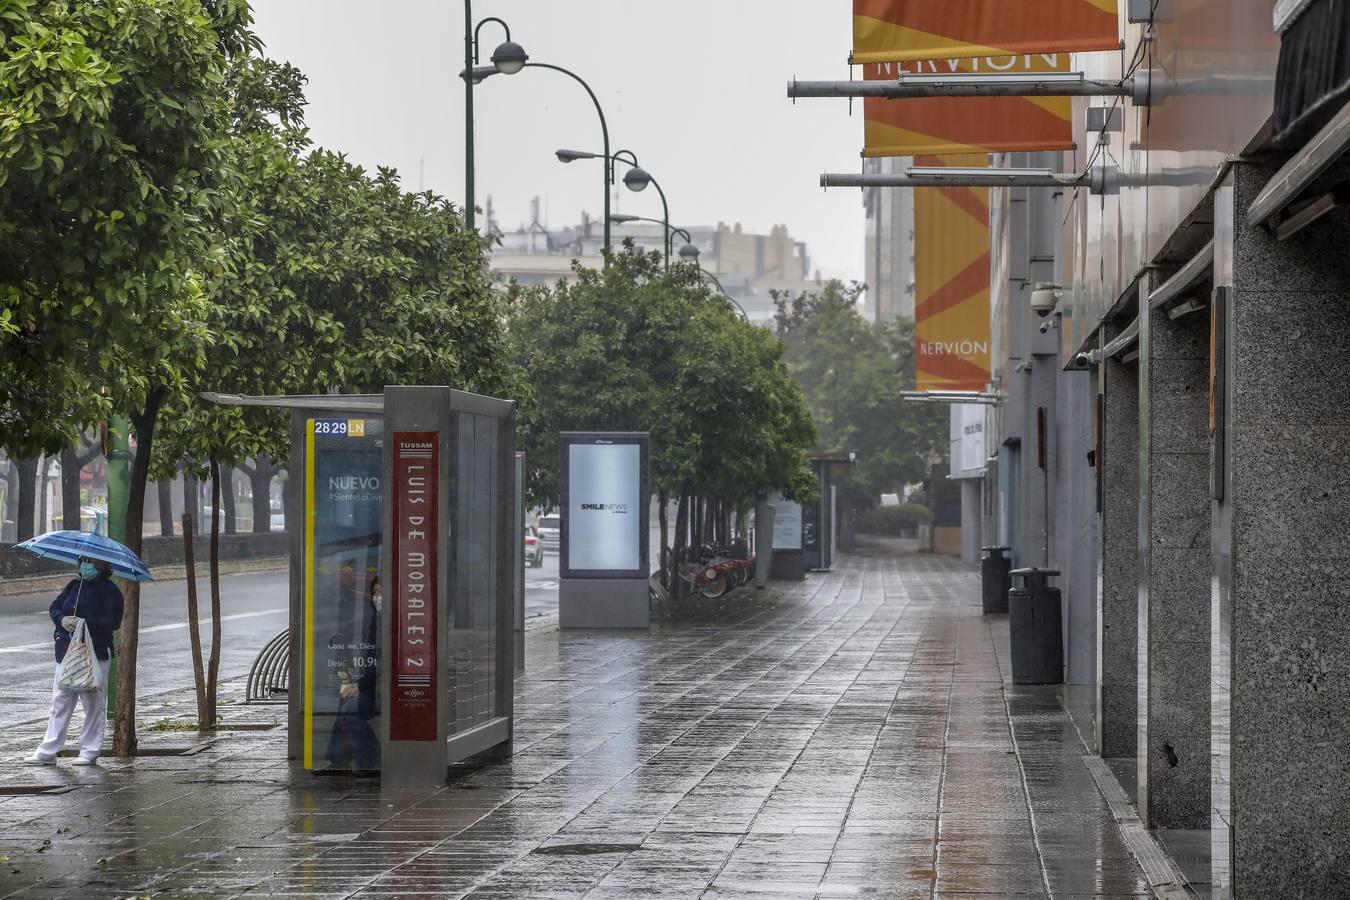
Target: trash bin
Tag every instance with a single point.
(1035, 620)
(995, 569)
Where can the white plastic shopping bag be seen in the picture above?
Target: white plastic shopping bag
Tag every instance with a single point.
(80, 671)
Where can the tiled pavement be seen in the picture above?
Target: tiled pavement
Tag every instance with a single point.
(854, 735)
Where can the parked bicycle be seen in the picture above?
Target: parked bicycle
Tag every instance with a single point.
(714, 570)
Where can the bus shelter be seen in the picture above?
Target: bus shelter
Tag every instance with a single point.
(402, 580)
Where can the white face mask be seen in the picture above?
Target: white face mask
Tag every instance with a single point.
(377, 599)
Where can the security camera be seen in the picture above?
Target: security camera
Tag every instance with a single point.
(1085, 360)
(1044, 297)
(1046, 326)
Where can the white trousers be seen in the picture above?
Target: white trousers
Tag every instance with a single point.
(95, 705)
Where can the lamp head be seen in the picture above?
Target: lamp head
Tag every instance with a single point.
(689, 252)
(637, 179)
(568, 156)
(478, 73)
(509, 57)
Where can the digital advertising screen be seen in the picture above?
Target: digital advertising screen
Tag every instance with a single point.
(343, 528)
(604, 506)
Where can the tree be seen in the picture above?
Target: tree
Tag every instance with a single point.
(110, 171)
(331, 277)
(634, 347)
(852, 373)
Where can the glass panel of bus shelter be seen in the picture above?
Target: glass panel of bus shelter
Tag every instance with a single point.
(473, 637)
(343, 496)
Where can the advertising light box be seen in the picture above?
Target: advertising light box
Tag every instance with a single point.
(343, 502)
(604, 505)
(787, 523)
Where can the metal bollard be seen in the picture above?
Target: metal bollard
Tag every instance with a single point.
(1035, 623)
(995, 579)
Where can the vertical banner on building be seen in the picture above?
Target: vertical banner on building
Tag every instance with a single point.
(951, 283)
(967, 124)
(895, 30)
(416, 502)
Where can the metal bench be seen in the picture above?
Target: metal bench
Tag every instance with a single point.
(269, 679)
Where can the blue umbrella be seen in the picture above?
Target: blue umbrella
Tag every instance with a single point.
(69, 546)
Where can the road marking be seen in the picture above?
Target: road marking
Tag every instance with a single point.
(47, 645)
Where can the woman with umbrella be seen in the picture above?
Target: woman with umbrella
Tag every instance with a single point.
(94, 599)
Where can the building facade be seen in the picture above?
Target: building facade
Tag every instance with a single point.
(747, 266)
(1168, 438)
(890, 244)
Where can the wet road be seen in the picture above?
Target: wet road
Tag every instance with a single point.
(856, 734)
(254, 608)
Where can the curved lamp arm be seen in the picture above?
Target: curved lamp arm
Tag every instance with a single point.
(721, 290)
(479, 27)
(619, 155)
(604, 131)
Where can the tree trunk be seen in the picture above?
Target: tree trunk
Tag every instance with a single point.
(11, 511)
(44, 519)
(70, 489)
(681, 535)
(23, 521)
(213, 665)
(227, 499)
(194, 623)
(260, 476)
(286, 498)
(664, 555)
(124, 726)
(192, 496)
(164, 490)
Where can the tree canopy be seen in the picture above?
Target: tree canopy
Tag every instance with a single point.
(332, 277)
(852, 373)
(111, 115)
(633, 347)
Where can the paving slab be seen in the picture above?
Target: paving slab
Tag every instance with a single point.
(853, 735)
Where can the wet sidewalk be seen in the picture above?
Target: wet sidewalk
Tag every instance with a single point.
(853, 735)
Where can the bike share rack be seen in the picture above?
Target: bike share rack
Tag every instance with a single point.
(271, 672)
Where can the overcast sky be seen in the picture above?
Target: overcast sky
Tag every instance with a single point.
(695, 88)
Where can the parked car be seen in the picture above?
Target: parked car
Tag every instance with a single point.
(550, 531)
(534, 549)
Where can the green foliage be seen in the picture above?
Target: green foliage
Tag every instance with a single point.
(636, 348)
(894, 520)
(332, 277)
(110, 168)
(852, 373)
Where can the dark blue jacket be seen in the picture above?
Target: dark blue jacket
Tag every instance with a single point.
(100, 605)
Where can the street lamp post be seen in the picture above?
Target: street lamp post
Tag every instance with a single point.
(509, 58)
(688, 252)
(635, 179)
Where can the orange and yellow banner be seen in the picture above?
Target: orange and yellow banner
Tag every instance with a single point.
(967, 124)
(951, 283)
(898, 30)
